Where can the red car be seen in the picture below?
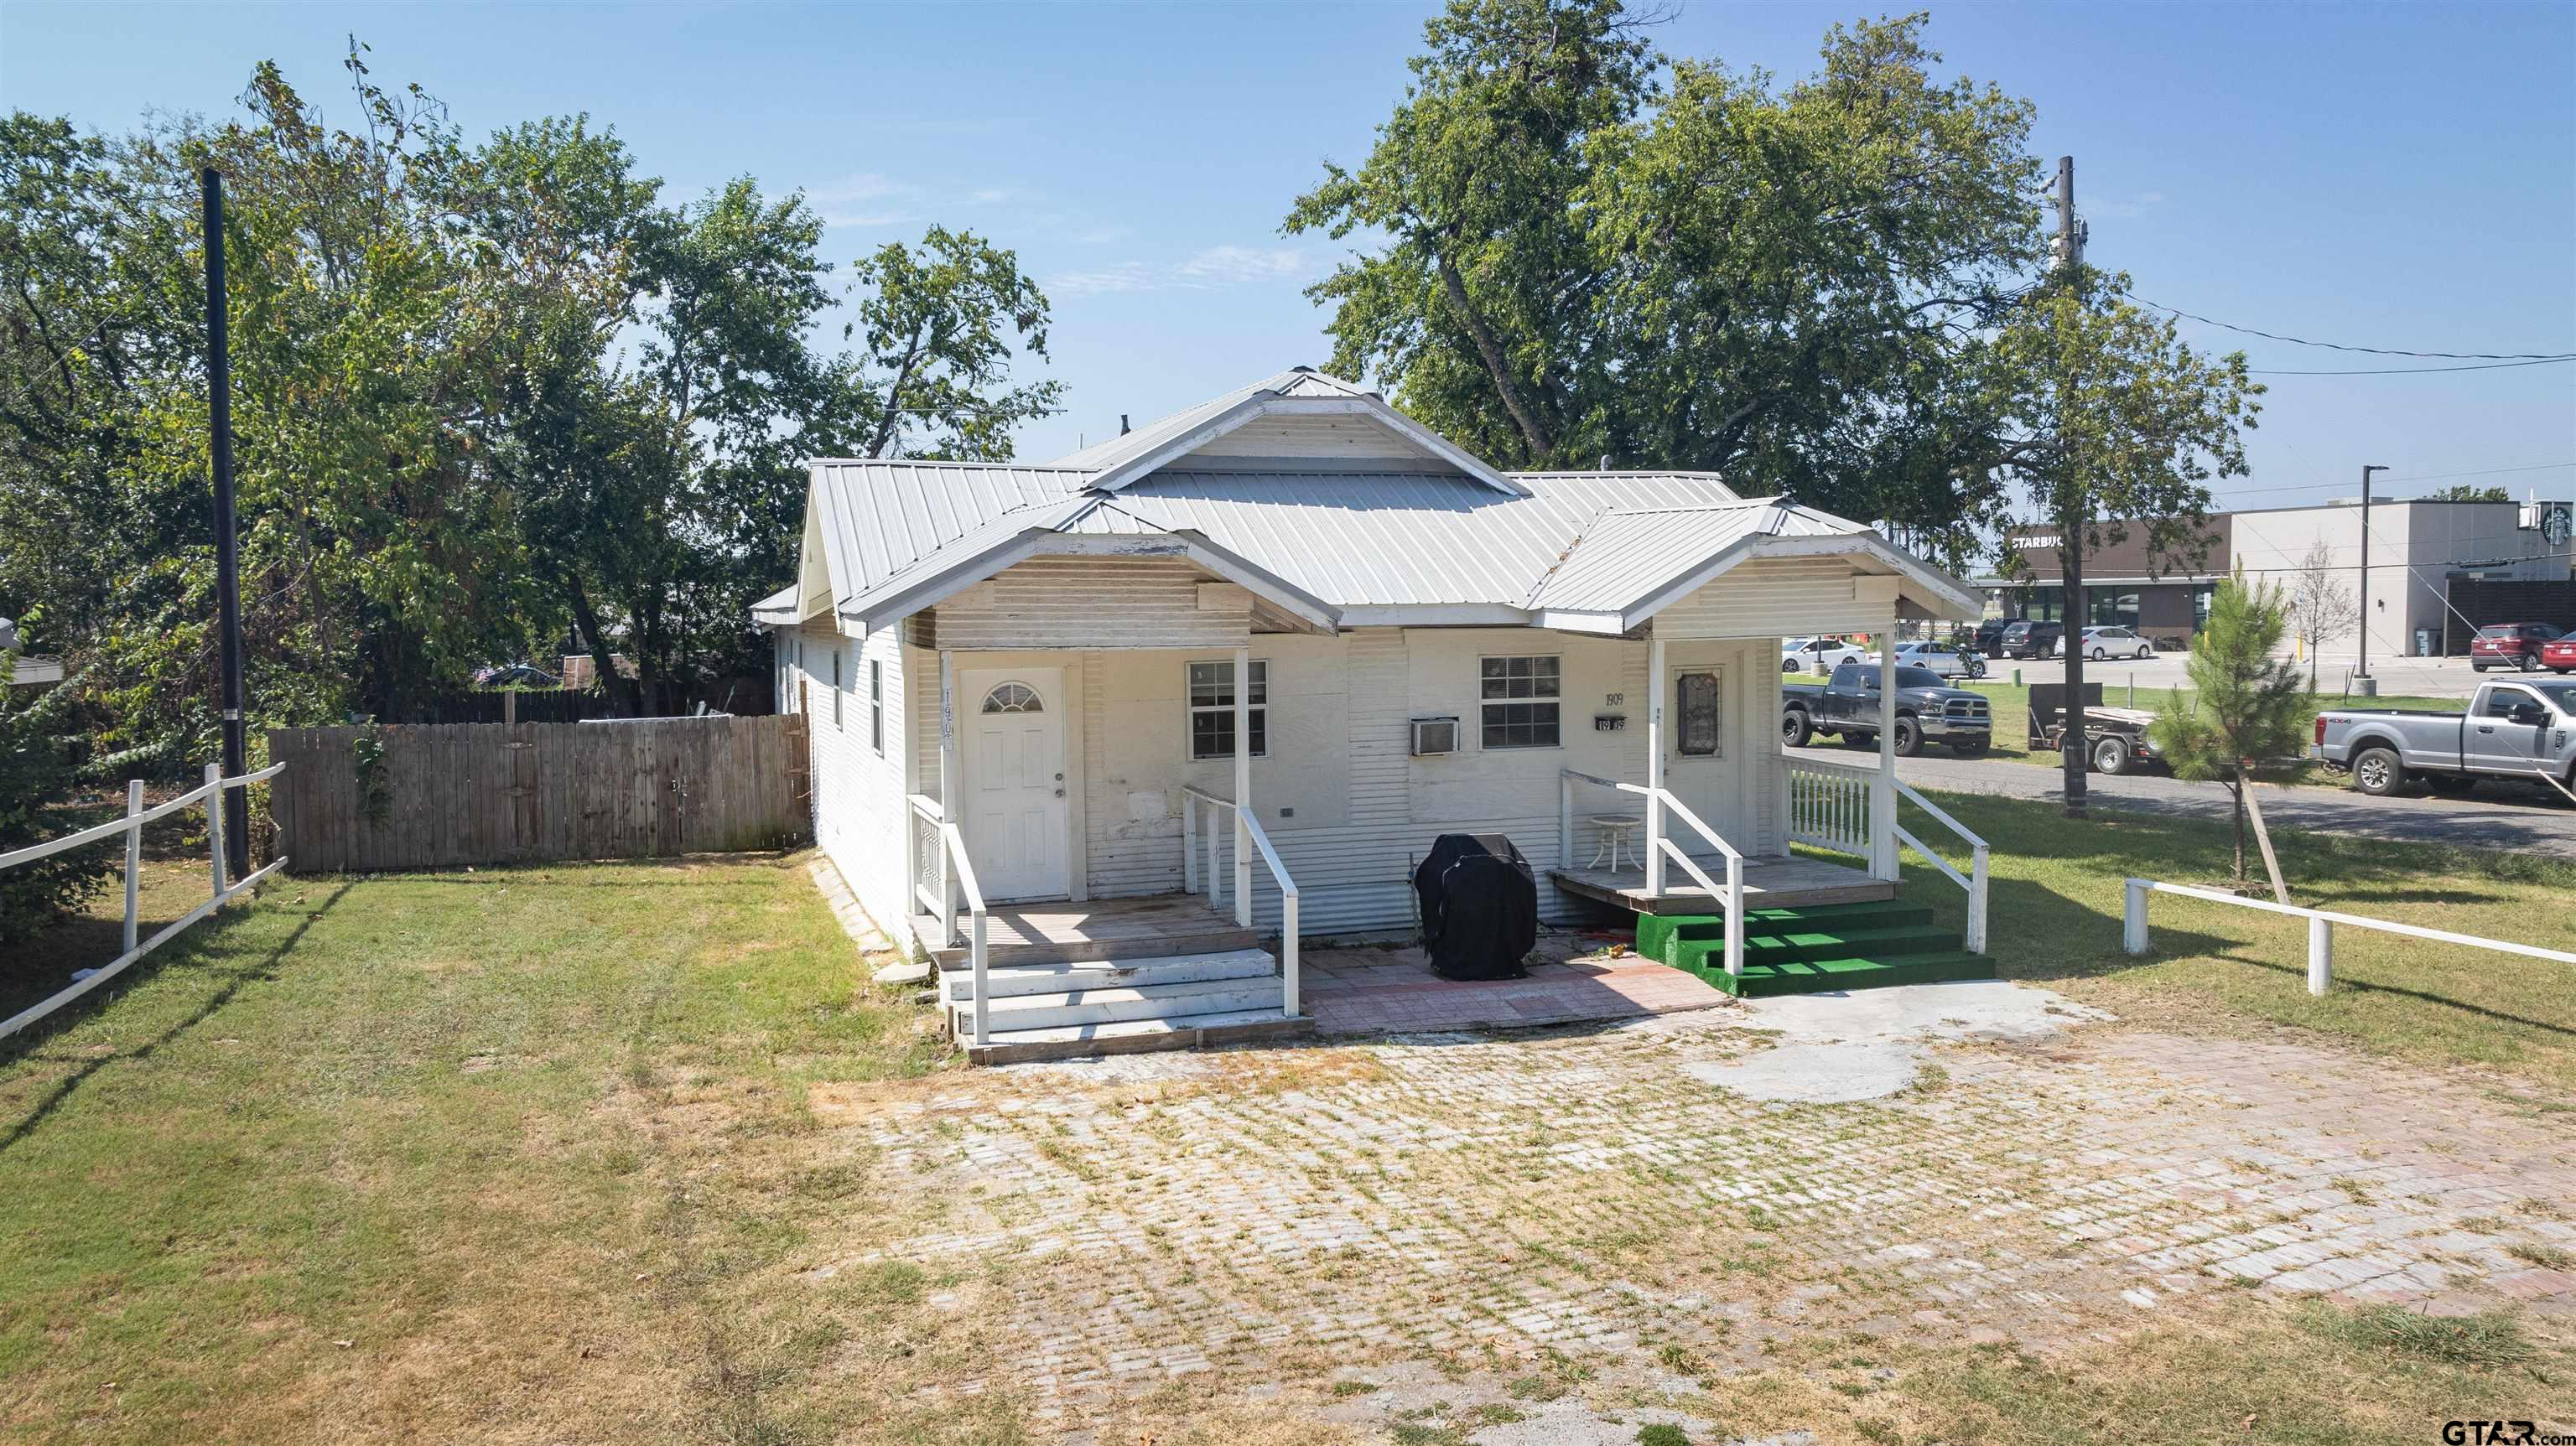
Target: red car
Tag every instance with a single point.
(2511, 645)
(2559, 654)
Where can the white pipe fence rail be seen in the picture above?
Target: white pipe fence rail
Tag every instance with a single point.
(210, 793)
(1246, 830)
(2321, 927)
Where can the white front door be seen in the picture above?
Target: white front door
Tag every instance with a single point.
(1010, 726)
(1706, 759)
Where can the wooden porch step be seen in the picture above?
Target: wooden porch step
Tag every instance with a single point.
(1153, 927)
(957, 986)
(1120, 1004)
(1138, 1036)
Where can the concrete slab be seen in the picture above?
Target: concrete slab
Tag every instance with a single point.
(1841, 1048)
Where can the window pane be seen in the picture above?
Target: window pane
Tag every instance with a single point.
(1260, 680)
(1520, 725)
(1701, 714)
(1212, 734)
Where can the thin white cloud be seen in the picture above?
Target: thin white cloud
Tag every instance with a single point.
(870, 201)
(1125, 276)
(2124, 206)
(1234, 265)
(1217, 266)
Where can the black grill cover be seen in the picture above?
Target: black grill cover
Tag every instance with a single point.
(1479, 907)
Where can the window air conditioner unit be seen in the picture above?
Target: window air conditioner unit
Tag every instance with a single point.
(1434, 735)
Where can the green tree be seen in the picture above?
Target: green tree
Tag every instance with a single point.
(2111, 426)
(1787, 283)
(2246, 703)
(2463, 492)
(41, 749)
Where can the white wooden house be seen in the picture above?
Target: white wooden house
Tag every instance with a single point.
(1028, 689)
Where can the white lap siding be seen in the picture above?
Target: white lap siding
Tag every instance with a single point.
(860, 817)
(1339, 795)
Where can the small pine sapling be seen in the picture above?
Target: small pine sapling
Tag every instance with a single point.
(2247, 704)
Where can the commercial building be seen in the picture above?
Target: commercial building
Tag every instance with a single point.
(2422, 552)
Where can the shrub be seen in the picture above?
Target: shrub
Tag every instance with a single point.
(40, 756)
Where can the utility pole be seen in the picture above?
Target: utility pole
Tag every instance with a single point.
(2361, 674)
(219, 397)
(2066, 257)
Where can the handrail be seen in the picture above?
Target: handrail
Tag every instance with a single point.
(1247, 828)
(955, 845)
(1732, 894)
(1974, 881)
(2321, 922)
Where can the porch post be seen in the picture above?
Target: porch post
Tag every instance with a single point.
(1655, 765)
(1882, 789)
(1242, 786)
(949, 802)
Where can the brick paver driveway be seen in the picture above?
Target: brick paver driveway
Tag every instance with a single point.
(1273, 1214)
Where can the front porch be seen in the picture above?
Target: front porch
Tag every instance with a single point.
(1775, 883)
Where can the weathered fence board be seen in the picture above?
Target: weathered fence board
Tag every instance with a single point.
(493, 793)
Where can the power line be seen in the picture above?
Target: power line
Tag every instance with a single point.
(2409, 371)
(2236, 492)
(2523, 356)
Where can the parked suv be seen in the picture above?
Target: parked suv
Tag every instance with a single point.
(2027, 639)
(2511, 645)
(2559, 656)
(1989, 641)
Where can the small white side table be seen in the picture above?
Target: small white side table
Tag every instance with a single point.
(1617, 834)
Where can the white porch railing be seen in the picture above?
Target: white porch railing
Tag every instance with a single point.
(1829, 804)
(1829, 807)
(2321, 922)
(1732, 895)
(941, 855)
(1974, 881)
(1248, 839)
(211, 792)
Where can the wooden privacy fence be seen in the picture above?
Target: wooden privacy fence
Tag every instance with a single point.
(494, 793)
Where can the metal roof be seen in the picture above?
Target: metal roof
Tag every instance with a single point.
(1628, 553)
(1481, 546)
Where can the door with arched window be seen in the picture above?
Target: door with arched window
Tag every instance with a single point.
(1010, 734)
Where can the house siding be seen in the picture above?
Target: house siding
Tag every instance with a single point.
(1774, 597)
(1090, 602)
(860, 818)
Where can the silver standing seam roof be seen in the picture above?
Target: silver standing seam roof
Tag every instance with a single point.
(1415, 541)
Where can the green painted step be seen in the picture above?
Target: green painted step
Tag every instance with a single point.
(1814, 950)
(1776, 948)
(1821, 976)
(1656, 933)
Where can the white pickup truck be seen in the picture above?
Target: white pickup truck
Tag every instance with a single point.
(2511, 730)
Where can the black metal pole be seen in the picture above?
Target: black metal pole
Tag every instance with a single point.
(219, 397)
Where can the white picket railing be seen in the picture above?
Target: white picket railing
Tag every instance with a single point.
(1731, 895)
(2321, 926)
(1247, 831)
(211, 793)
(942, 849)
(1829, 804)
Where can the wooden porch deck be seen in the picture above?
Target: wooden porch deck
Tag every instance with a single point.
(1055, 931)
(1769, 883)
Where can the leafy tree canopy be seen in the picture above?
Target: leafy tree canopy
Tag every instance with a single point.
(484, 394)
(1588, 253)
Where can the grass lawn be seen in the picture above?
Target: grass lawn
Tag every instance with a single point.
(530, 1155)
(2054, 917)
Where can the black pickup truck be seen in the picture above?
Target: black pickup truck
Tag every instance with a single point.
(1847, 704)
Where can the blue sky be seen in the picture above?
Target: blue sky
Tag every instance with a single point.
(2383, 175)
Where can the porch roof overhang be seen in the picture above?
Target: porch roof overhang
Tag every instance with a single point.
(778, 609)
(1276, 600)
(1926, 591)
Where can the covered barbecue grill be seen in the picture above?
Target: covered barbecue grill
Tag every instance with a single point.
(1479, 907)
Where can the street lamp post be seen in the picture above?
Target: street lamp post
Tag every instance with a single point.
(2361, 673)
